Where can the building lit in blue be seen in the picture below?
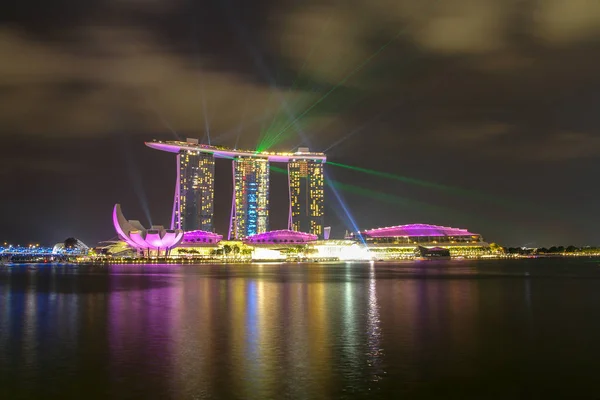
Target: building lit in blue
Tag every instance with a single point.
(250, 203)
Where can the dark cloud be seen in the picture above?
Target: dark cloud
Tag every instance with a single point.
(501, 86)
(93, 60)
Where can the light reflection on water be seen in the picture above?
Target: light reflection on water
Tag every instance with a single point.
(297, 331)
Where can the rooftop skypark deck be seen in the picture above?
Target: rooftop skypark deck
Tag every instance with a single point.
(225, 152)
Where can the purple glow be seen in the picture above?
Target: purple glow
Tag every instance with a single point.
(282, 236)
(195, 238)
(417, 230)
(156, 238)
(137, 238)
(179, 236)
(290, 216)
(232, 202)
(118, 220)
(176, 218)
(164, 147)
(222, 152)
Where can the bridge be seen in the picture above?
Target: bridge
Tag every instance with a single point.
(25, 251)
(37, 253)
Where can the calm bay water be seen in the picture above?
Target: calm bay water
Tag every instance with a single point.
(460, 329)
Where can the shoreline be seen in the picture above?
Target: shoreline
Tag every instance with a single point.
(323, 261)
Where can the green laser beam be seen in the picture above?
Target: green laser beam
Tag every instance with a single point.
(297, 79)
(415, 204)
(386, 197)
(433, 185)
(268, 107)
(362, 191)
(343, 81)
(266, 113)
(403, 201)
(375, 194)
(397, 177)
(264, 146)
(279, 119)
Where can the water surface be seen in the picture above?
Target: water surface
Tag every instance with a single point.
(460, 329)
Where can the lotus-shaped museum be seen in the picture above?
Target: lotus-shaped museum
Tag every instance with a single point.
(156, 239)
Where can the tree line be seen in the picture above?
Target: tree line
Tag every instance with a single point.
(552, 250)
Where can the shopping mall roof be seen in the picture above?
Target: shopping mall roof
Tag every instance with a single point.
(416, 230)
(281, 236)
(191, 238)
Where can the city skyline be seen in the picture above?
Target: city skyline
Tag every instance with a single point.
(265, 199)
(483, 101)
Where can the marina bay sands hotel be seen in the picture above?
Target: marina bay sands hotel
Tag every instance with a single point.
(193, 206)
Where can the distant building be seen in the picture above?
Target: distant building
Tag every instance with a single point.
(250, 205)
(194, 195)
(404, 241)
(419, 234)
(70, 246)
(307, 205)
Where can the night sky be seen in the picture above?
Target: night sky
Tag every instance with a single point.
(490, 108)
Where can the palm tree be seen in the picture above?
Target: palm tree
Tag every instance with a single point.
(246, 252)
(227, 249)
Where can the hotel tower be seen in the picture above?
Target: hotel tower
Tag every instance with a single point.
(194, 192)
(306, 195)
(250, 205)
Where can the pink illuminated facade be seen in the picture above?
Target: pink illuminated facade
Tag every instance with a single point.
(200, 238)
(155, 240)
(417, 230)
(418, 233)
(281, 237)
